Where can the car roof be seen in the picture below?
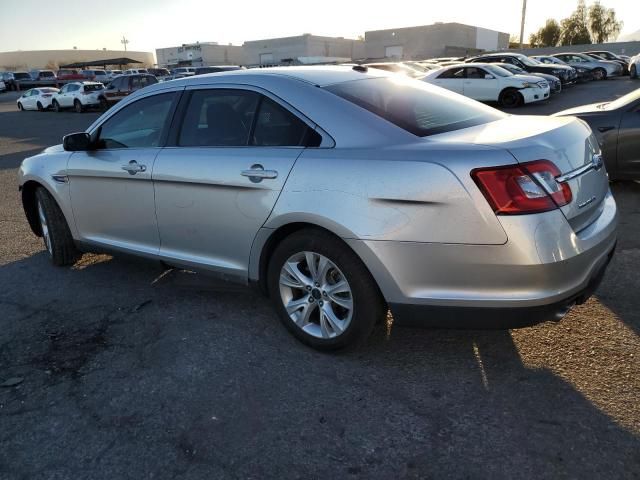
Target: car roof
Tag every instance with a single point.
(316, 75)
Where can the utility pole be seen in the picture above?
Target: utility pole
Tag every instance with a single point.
(124, 40)
(524, 11)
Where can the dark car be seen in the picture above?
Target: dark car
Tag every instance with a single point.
(554, 82)
(606, 55)
(217, 69)
(22, 80)
(566, 74)
(125, 85)
(584, 74)
(617, 126)
(9, 81)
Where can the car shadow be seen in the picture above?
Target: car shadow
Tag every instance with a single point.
(204, 376)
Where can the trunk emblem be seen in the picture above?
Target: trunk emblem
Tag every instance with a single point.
(587, 202)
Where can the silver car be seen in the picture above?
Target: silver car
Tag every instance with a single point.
(601, 69)
(341, 192)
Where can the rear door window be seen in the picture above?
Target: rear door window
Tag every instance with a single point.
(277, 127)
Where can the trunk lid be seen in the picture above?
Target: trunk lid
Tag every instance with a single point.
(566, 141)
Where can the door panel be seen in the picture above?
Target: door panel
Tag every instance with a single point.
(208, 211)
(481, 88)
(629, 144)
(453, 84)
(110, 205)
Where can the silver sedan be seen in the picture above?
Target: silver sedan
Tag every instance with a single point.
(341, 192)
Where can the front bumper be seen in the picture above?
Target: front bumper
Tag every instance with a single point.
(531, 95)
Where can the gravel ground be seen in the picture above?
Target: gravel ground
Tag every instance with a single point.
(115, 368)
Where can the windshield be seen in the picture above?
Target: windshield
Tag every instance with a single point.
(623, 101)
(415, 106)
(48, 90)
(528, 61)
(499, 70)
(21, 75)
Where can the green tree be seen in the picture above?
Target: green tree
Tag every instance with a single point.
(574, 29)
(547, 36)
(602, 23)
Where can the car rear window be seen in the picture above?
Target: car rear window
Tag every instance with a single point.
(93, 88)
(415, 106)
(21, 76)
(47, 74)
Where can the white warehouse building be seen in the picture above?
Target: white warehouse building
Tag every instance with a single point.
(200, 54)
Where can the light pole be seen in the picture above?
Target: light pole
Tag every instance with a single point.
(124, 41)
(524, 11)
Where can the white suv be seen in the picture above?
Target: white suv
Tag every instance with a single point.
(135, 71)
(78, 95)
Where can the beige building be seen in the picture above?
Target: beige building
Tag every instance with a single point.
(200, 54)
(52, 59)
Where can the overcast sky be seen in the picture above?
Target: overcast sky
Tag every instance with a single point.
(151, 24)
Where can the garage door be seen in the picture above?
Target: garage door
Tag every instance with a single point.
(266, 58)
(394, 51)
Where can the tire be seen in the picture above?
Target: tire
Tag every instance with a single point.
(40, 107)
(78, 106)
(633, 72)
(599, 74)
(55, 232)
(20, 107)
(56, 107)
(104, 105)
(351, 310)
(510, 98)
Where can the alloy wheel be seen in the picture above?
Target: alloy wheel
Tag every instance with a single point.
(45, 229)
(316, 295)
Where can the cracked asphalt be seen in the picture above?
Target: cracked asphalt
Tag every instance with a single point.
(116, 368)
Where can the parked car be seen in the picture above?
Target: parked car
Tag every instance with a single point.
(135, 71)
(7, 78)
(565, 73)
(487, 82)
(216, 69)
(21, 80)
(341, 192)
(111, 74)
(183, 71)
(396, 67)
(583, 74)
(601, 69)
(36, 99)
(67, 74)
(44, 75)
(554, 82)
(78, 95)
(634, 66)
(616, 124)
(123, 86)
(161, 74)
(422, 67)
(612, 57)
(3, 86)
(96, 76)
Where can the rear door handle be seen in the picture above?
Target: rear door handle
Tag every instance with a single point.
(134, 167)
(605, 129)
(257, 173)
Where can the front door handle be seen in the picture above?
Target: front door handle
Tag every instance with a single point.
(134, 167)
(257, 173)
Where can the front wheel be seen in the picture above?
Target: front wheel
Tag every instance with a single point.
(56, 106)
(633, 72)
(599, 74)
(20, 107)
(510, 98)
(55, 231)
(322, 291)
(78, 106)
(40, 107)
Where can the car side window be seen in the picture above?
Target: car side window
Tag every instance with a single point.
(474, 73)
(452, 73)
(138, 125)
(277, 127)
(64, 89)
(218, 118)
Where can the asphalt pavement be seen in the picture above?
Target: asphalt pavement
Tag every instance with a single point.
(117, 368)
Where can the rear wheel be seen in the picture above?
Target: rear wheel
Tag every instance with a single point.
(56, 106)
(510, 98)
(40, 107)
(78, 106)
(322, 291)
(55, 231)
(599, 74)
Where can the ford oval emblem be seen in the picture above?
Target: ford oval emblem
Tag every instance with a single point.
(597, 161)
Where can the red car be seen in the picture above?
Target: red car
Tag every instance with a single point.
(69, 74)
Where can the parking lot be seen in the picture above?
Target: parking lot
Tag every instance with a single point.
(117, 368)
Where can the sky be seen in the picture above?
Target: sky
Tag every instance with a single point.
(151, 24)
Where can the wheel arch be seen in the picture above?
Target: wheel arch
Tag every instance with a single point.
(30, 205)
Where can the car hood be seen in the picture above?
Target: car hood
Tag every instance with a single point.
(54, 149)
(591, 108)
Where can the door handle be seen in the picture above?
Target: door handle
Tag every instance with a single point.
(605, 129)
(257, 173)
(134, 167)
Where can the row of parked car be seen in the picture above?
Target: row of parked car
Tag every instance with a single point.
(514, 79)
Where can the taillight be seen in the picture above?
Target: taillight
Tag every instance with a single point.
(526, 188)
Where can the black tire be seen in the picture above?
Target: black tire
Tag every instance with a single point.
(104, 105)
(56, 107)
(633, 72)
(510, 98)
(61, 249)
(78, 106)
(368, 304)
(599, 74)
(40, 107)
(20, 107)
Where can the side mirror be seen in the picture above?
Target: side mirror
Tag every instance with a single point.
(488, 76)
(76, 142)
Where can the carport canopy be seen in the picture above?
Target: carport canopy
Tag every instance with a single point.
(101, 63)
